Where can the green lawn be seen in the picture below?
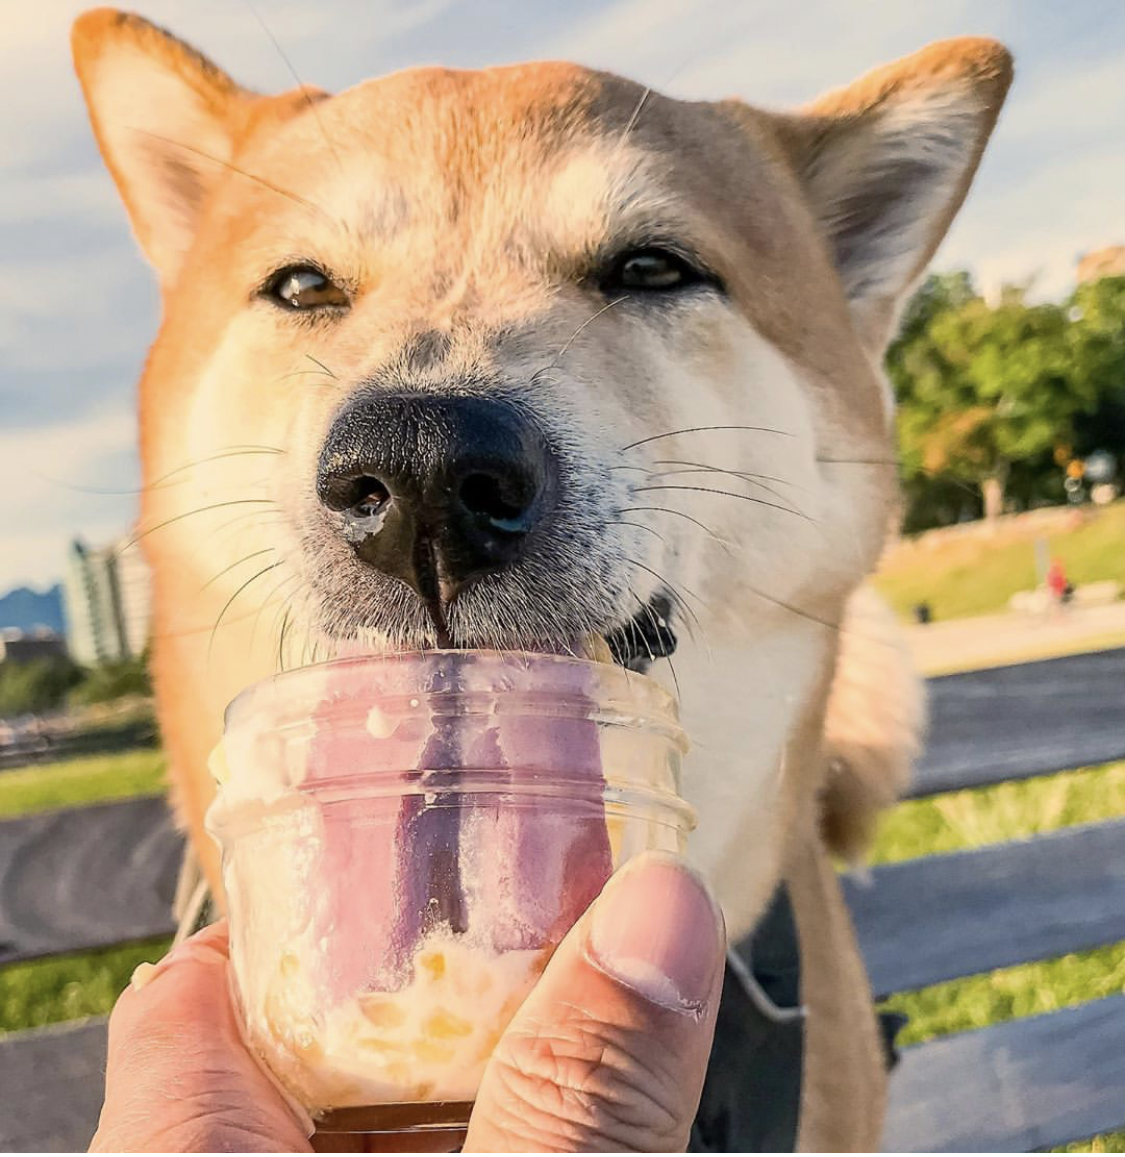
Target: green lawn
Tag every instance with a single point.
(68, 987)
(81, 781)
(978, 573)
(86, 984)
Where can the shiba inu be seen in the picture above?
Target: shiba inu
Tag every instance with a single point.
(534, 357)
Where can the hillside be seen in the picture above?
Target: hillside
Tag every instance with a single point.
(26, 609)
(975, 569)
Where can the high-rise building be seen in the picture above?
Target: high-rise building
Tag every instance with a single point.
(106, 601)
(134, 592)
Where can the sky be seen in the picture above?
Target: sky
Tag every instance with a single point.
(78, 306)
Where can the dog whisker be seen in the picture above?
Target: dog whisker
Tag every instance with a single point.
(278, 587)
(553, 364)
(671, 510)
(589, 321)
(704, 429)
(237, 563)
(749, 475)
(229, 603)
(312, 104)
(692, 468)
(281, 640)
(729, 494)
(318, 362)
(226, 452)
(862, 462)
(640, 526)
(233, 168)
(636, 116)
(673, 591)
(189, 513)
(634, 630)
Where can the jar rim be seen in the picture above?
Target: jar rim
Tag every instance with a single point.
(631, 694)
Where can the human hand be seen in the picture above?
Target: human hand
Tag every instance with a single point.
(608, 1052)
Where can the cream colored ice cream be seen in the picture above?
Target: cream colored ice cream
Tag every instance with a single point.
(427, 1041)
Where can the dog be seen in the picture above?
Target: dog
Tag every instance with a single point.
(535, 357)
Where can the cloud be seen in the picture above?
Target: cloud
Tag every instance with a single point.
(72, 478)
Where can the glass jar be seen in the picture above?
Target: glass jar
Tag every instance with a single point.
(405, 841)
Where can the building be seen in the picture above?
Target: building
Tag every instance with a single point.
(1107, 262)
(106, 602)
(134, 592)
(24, 647)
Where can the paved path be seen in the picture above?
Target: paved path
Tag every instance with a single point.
(990, 640)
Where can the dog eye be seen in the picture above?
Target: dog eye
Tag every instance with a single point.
(653, 270)
(304, 287)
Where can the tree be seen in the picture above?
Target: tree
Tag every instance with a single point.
(1097, 310)
(37, 685)
(984, 386)
(113, 681)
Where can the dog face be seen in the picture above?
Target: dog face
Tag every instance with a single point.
(555, 257)
(529, 357)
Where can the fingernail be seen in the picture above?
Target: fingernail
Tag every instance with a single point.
(144, 974)
(657, 930)
(195, 947)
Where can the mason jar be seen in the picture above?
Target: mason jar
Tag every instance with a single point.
(405, 840)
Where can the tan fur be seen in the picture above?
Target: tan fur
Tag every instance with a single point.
(465, 212)
(874, 724)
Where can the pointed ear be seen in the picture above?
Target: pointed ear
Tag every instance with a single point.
(164, 117)
(887, 161)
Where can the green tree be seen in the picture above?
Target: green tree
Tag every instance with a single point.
(37, 685)
(112, 681)
(983, 386)
(1097, 311)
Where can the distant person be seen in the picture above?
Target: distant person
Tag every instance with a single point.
(1061, 590)
(923, 614)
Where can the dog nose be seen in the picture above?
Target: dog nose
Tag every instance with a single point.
(436, 490)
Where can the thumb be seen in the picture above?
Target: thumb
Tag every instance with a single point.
(609, 1051)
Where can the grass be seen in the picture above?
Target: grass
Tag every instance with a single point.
(69, 987)
(978, 572)
(993, 815)
(74, 782)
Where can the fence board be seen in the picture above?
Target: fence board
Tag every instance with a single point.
(941, 917)
(1028, 1084)
(86, 878)
(51, 1083)
(1030, 719)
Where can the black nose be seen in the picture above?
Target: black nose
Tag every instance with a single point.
(436, 490)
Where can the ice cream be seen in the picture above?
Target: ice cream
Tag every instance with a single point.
(402, 853)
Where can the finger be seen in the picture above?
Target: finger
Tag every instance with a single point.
(609, 1051)
(179, 1077)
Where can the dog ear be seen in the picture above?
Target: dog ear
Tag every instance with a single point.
(887, 161)
(164, 117)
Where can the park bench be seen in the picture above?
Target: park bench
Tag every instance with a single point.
(105, 874)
